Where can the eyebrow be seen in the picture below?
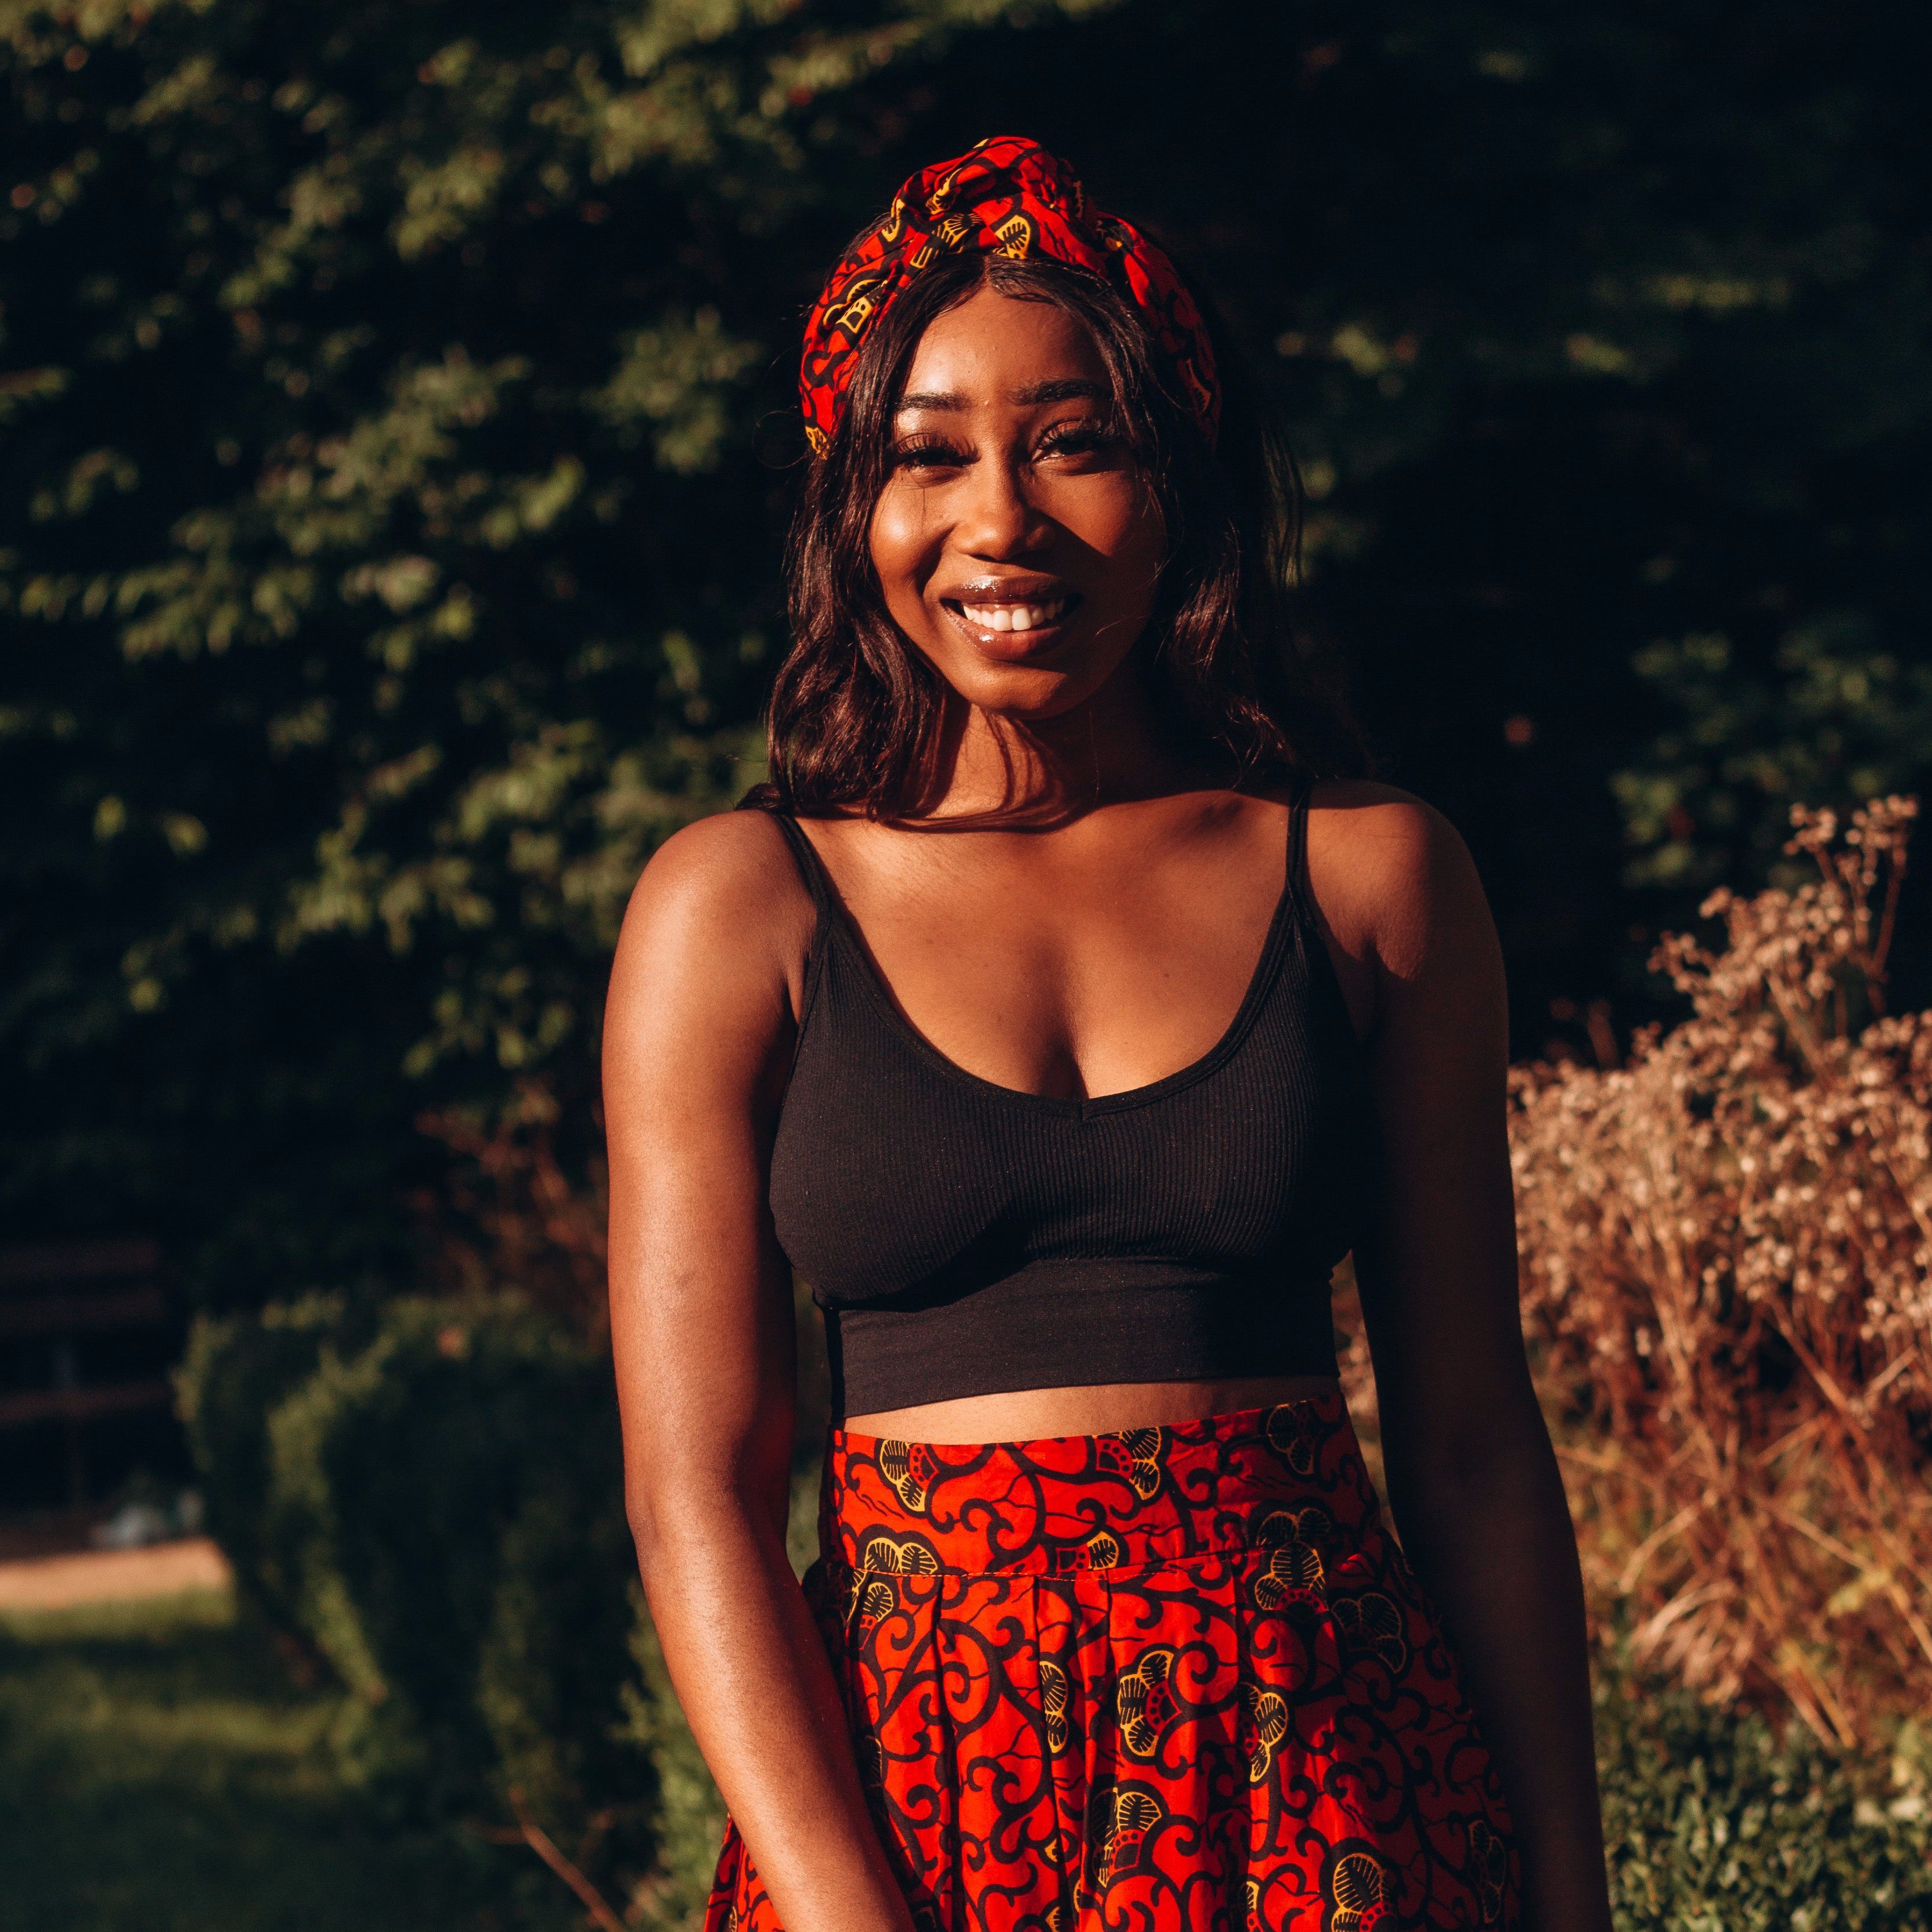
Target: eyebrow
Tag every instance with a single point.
(1065, 389)
(1061, 389)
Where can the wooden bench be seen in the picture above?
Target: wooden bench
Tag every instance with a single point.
(56, 1298)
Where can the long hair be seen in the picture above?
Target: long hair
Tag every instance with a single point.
(855, 709)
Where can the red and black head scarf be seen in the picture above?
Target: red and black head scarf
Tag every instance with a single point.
(1008, 196)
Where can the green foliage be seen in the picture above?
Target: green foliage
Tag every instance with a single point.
(237, 1373)
(429, 1497)
(423, 1499)
(378, 591)
(159, 1770)
(398, 423)
(1834, 716)
(1715, 1824)
(434, 1492)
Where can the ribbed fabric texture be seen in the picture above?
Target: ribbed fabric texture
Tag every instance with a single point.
(965, 1238)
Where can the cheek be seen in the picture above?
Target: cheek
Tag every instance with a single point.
(1124, 525)
(905, 540)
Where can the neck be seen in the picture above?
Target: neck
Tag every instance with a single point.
(998, 771)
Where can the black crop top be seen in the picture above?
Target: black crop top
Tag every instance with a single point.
(964, 1238)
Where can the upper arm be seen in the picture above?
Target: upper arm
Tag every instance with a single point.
(1437, 1268)
(697, 1035)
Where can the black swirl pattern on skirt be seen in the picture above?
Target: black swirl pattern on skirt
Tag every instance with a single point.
(1175, 1680)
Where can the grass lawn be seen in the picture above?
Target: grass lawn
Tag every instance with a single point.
(157, 1771)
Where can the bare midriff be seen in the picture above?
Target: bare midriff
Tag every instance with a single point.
(1104, 1408)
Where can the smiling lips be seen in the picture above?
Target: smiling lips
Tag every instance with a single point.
(1016, 616)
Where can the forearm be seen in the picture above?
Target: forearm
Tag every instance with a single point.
(751, 1671)
(1493, 1546)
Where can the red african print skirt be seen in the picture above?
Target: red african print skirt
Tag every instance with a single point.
(1175, 1680)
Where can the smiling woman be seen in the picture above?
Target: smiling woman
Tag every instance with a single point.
(984, 446)
(1063, 1011)
(857, 727)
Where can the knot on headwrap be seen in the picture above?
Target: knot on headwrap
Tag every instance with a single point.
(1008, 197)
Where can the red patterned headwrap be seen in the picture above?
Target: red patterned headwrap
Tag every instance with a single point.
(1008, 196)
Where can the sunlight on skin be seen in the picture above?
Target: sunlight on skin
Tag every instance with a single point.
(1011, 496)
(1072, 906)
(1018, 546)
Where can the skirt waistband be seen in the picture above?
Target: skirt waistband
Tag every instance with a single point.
(1256, 1478)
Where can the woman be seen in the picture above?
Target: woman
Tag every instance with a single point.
(1064, 1016)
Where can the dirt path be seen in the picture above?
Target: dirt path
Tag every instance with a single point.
(109, 1575)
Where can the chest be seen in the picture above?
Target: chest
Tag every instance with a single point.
(1074, 982)
(894, 1167)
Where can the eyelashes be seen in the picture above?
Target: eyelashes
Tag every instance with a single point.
(936, 452)
(928, 453)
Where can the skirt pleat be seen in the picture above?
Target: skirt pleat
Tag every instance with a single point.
(1174, 1680)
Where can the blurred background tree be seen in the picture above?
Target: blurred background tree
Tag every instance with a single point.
(398, 432)
(396, 401)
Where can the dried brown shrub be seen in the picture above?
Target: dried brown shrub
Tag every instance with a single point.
(1726, 1245)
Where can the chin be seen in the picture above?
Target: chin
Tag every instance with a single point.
(1031, 688)
(1026, 694)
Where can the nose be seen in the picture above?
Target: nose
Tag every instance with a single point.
(996, 520)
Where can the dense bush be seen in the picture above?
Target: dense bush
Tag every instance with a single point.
(426, 1496)
(423, 1498)
(397, 402)
(1727, 1248)
(1715, 1823)
(237, 1374)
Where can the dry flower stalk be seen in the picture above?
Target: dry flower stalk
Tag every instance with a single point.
(1727, 1293)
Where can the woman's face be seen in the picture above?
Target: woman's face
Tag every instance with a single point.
(1016, 538)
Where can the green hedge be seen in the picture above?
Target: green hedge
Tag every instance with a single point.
(428, 1497)
(1716, 1824)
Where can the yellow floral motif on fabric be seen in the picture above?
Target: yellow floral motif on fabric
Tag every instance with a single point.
(906, 1470)
(1266, 1713)
(1489, 1861)
(1359, 1891)
(1015, 237)
(888, 1555)
(868, 1601)
(1289, 1440)
(1146, 1452)
(1126, 1817)
(1145, 1701)
(1056, 1702)
(1294, 1570)
(1371, 1622)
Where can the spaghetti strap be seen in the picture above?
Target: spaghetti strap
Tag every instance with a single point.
(1299, 894)
(811, 867)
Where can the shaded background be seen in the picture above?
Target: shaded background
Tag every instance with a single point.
(396, 437)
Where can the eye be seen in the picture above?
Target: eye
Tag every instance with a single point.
(1078, 438)
(928, 452)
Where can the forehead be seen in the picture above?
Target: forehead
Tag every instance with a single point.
(994, 348)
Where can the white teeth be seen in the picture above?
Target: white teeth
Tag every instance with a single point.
(1014, 617)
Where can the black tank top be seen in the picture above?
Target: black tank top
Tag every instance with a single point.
(965, 1238)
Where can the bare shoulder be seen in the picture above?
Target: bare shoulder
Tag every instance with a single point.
(1392, 876)
(730, 868)
(717, 929)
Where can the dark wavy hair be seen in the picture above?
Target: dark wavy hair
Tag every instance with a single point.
(855, 709)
